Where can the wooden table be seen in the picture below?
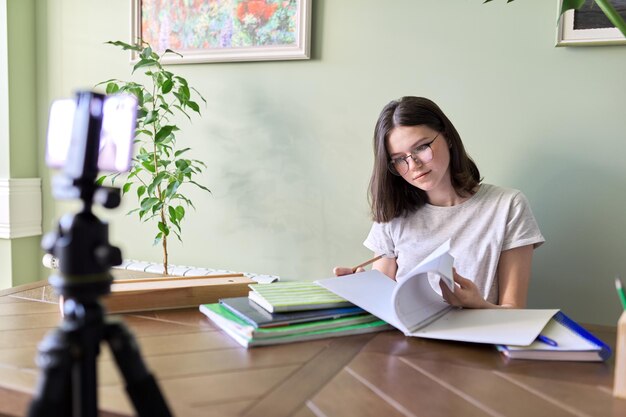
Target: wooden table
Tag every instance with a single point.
(202, 372)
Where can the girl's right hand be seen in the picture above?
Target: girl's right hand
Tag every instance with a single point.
(343, 270)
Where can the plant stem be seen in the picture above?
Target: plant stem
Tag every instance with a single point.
(612, 14)
(164, 240)
(158, 188)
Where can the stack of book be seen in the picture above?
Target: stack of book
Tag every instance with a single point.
(285, 312)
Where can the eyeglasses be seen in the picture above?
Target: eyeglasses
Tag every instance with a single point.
(422, 154)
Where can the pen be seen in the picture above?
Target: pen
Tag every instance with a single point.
(366, 263)
(547, 340)
(620, 291)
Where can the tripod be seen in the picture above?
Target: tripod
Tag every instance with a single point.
(67, 356)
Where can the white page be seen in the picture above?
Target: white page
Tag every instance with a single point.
(415, 301)
(371, 290)
(439, 261)
(496, 326)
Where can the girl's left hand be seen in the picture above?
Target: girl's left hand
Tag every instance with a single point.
(465, 293)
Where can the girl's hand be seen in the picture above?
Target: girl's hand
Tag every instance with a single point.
(465, 293)
(342, 270)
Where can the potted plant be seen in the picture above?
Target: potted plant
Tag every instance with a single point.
(160, 168)
(605, 6)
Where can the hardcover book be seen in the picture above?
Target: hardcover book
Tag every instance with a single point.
(249, 336)
(572, 342)
(295, 296)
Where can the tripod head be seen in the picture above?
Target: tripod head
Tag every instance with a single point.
(85, 135)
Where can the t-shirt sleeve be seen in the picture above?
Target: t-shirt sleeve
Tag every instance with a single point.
(379, 240)
(521, 228)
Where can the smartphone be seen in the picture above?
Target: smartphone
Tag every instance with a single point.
(119, 113)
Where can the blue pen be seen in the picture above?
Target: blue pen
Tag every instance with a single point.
(547, 340)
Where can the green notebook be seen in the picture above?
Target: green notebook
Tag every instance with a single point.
(249, 336)
(295, 296)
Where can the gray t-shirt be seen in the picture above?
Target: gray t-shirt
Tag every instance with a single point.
(493, 220)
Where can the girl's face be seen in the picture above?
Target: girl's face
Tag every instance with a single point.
(432, 176)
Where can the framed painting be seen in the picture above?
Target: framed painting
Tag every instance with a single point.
(224, 30)
(589, 26)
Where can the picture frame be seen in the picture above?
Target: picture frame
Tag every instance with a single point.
(205, 31)
(588, 26)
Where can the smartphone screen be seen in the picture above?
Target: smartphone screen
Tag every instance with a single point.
(116, 135)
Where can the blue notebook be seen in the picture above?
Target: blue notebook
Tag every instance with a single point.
(573, 343)
(257, 316)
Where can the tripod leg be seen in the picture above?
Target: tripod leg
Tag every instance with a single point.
(141, 386)
(53, 397)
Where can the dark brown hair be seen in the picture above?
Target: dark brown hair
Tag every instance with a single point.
(391, 196)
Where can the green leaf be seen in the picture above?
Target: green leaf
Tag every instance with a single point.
(150, 117)
(172, 188)
(180, 212)
(112, 88)
(200, 162)
(100, 180)
(202, 98)
(148, 203)
(184, 91)
(182, 111)
(157, 206)
(200, 186)
(163, 228)
(182, 151)
(172, 212)
(182, 164)
(141, 190)
(194, 106)
(164, 132)
(146, 53)
(157, 238)
(181, 80)
(147, 165)
(169, 51)
(143, 131)
(167, 86)
(571, 4)
(144, 63)
(126, 187)
(125, 46)
(155, 182)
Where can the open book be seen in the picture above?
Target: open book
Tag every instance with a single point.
(415, 306)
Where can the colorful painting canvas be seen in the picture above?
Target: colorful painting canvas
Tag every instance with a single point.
(225, 30)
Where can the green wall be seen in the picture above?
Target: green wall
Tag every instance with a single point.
(19, 144)
(288, 144)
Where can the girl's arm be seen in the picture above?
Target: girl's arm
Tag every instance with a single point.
(387, 266)
(514, 269)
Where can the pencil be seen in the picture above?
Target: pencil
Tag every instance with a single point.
(175, 278)
(366, 263)
(620, 291)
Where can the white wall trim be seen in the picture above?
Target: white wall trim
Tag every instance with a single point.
(20, 207)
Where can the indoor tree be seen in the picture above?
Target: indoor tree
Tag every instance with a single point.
(160, 168)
